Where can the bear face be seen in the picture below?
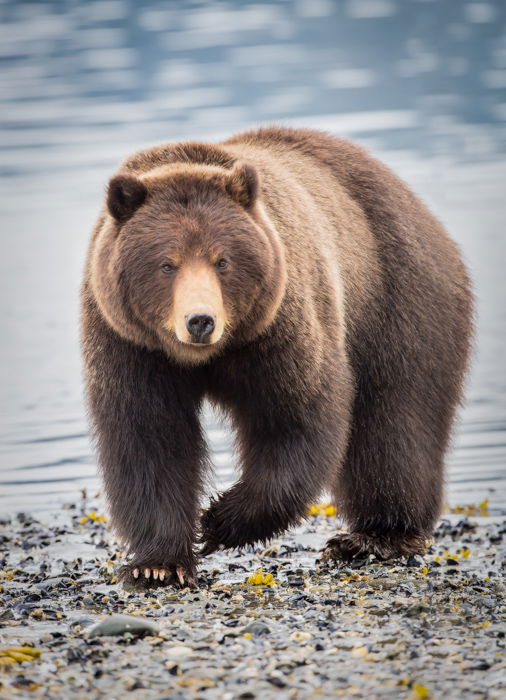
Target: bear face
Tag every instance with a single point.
(186, 259)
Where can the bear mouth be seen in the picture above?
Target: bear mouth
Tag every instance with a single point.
(203, 347)
(201, 344)
(198, 343)
(187, 352)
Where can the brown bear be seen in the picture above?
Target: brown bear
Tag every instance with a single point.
(300, 286)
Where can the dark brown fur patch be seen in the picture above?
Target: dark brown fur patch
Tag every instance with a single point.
(355, 545)
(125, 195)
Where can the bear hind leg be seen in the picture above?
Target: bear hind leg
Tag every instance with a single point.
(390, 489)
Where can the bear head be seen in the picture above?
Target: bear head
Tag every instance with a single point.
(186, 259)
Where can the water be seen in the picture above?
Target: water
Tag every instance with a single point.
(422, 84)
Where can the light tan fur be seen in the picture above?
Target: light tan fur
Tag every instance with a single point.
(197, 291)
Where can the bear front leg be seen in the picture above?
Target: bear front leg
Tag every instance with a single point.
(151, 453)
(290, 449)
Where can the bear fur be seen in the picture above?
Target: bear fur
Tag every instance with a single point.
(342, 318)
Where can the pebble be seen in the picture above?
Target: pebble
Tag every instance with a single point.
(256, 628)
(179, 651)
(300, 636)
(120, 624)
(53, 582)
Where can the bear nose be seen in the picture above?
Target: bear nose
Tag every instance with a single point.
(200, 327)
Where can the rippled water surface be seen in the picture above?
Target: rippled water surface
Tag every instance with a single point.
(422, 84)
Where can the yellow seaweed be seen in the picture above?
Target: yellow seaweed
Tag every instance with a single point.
(471, 509)
(17, 655)
(92, 517)
(259, 578)
(420, 692)
(326, 510)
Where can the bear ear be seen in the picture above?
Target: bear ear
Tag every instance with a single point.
(125, 194)
(243, 184)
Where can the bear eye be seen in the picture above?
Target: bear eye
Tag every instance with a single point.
(168, 268)
(222, 264)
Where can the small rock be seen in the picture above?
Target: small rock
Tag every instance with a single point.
(414, 561)
(177, 652)
(53, 582)
(120, 624)
(300, 636)
(489, 601)
(417, 610)
(6, 615)
(257, 628)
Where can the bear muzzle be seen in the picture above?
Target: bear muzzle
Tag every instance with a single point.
(198, 314)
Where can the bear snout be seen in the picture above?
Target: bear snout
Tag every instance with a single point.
(198, 314)
(200, 327)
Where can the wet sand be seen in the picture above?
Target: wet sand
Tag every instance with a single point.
(265, 623)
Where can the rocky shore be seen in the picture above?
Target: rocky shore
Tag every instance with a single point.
(265, 623)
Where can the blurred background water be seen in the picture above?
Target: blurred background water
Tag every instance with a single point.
(421, 83)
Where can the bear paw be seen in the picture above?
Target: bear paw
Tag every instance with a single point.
(216, 529)
(148, 576)
(227, 524)
(347, 546)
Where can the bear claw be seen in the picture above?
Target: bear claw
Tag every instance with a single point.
(180, 575)
(148, 576)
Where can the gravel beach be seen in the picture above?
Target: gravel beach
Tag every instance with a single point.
(265, 623)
